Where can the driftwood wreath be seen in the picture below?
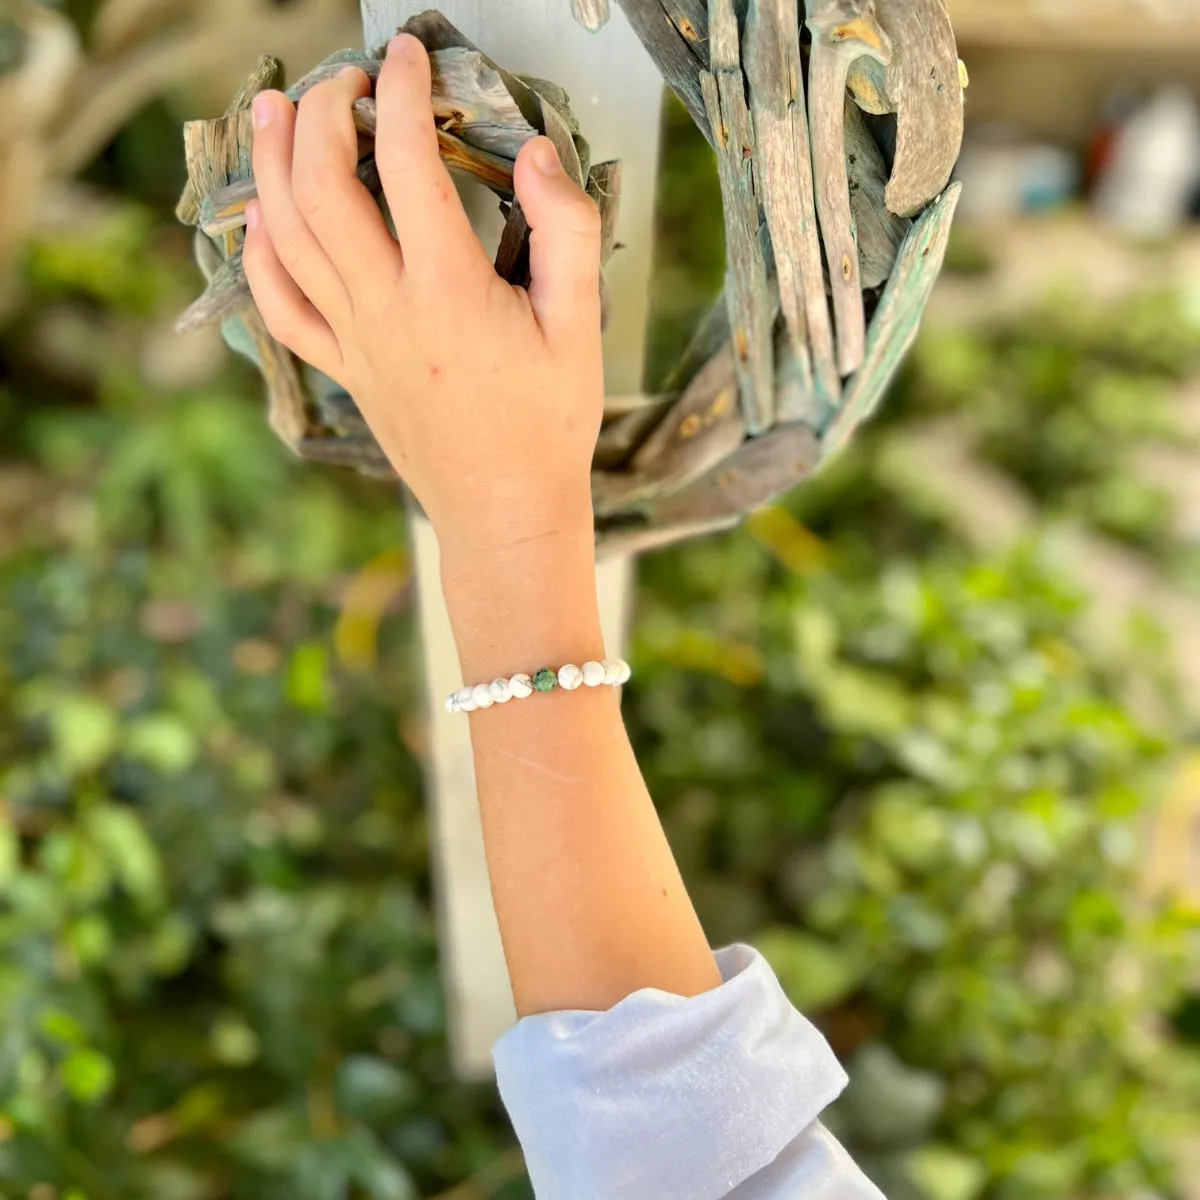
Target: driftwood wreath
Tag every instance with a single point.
(835, 140)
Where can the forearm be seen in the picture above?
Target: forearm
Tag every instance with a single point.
(589, 899)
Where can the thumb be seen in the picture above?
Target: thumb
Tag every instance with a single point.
(564, 246)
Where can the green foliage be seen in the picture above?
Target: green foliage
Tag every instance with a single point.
(929, 797)
(1069, 398)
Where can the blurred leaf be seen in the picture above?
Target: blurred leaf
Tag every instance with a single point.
(308, 683)
(128, 846)
(162, 741)
(87, 1075)
(889, 1103)
(945, 1174)
(372, 1090)
(85, 733)
(10, 851)
(814, 974)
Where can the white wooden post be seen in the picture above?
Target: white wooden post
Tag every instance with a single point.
(616, 92)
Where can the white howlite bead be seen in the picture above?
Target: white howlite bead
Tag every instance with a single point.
(593, 673)
(466, 700)
(520, 687)
(626, 674)
(452, 703)
(570, 677)
(482, 696)
(501, 691)
(612, 671)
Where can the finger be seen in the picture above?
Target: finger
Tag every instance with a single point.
(287, 313)
(430, 221)
(339, 210)
(564, 246)
(296, 246)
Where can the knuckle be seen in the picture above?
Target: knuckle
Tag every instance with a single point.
(281, 327)
(315, 100)
(311, 191)
(586, 218)
(292, 260)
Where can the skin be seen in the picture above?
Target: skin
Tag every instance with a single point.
(488, 400)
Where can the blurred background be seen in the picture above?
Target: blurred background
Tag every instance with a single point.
(925, 733)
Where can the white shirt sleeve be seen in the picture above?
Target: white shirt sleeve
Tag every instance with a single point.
(713, 1097)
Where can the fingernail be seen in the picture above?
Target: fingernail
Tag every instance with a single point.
(261, 109)
(348, 71)
(545, 157)
(400, 42)
(253, 215)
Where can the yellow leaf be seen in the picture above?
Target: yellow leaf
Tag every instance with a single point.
(778, 531)
(370, 594)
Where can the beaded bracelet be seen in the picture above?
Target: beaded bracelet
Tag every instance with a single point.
(612, 672)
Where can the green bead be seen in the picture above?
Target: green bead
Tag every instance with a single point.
(545, 680)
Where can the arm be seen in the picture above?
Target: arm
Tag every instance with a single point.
(488, 400)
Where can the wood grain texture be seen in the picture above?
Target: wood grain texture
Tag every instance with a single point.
(690, 17)
(217, 152)
(287, 406)
(897, 319)
(878, 232)
(267, 73)
(224, 210)
(471, 101)
(795, 397)
(757, 472)
(604, 187)
(925, 90)
(512, 255)
(785, 183)
(623, 434)
(701, 429)
(842, 30)
(750, 300)
(627, 540)
(227, 293)
(591, 14)
(329, 68)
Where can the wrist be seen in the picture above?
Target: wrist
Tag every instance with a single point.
(526, 600)
(510, 534)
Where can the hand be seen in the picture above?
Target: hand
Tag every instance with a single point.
(486, 398)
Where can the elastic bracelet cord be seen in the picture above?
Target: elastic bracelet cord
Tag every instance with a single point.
(612, 672)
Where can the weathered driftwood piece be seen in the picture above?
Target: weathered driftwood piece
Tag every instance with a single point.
(471, 102)
(224, 209)
(690, 17)
(923, 84)
(226, 294)
(287, 407)
(758, 471)
(785, 184)
(879, 233)
(751, 305)
(626, 431)
(591, 14)
(764, 391)
(643, 539)
(217, 152)
(842, 30)
(700, 430)
(897, 319)
(604, 187)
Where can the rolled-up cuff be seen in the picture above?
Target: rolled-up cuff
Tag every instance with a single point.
(663, 1096)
